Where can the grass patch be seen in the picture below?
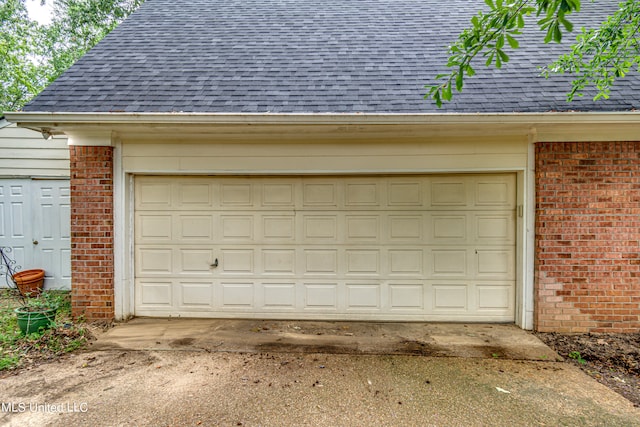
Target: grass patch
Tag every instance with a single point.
(18, 350)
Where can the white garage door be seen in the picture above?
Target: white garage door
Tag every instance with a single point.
(438, 247)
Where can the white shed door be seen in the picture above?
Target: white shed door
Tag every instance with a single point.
(436, 247)
(35, 224)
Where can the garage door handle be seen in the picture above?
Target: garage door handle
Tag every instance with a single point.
(35, 242)
(215, 263)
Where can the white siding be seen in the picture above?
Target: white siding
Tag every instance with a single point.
(24, 153)
(437, 155)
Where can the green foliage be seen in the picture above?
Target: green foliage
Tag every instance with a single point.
(21, 72)
(45, 301)
(65, 336)
(600, 56)
(604, 54)
(575, 355)
(78, 25)
(36, 55)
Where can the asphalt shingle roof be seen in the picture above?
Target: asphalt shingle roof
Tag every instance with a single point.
(309, 56)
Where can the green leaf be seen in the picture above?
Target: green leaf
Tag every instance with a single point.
(470, 71)
(512, 42)
(459, 81)
(557, 33)
(503, 56)
(567, 25)
(489, 59)
(437, 99)
(446, 92)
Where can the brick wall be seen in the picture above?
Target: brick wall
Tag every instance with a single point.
(92, 232)
(588, 237)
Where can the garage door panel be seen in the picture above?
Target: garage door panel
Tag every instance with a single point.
(494, 228)
(406, 228)
(236, 261)
(237, 228)
(195, 295)
(195, 195)
(321, 296)
(407, 297)
(279, 296)
(279, 261)
(362, 228)
(236, 195)
(321, 261)
(195, 261)
(195, 228)
(320, 194)
(363, 296)
(448, 192)
(449, 262)
(495, 264)
(154, 195)
(152, 261)
(449, 228)
(450, 297)
(362, 262)
(154, 293)
(363, 194)
(405, 193)
(495, 297)
(320, 228)
(237, 295)
(407, 247)
(278, 228)
(494, 194)
(279, 195)
(406, 262)
(154, 227)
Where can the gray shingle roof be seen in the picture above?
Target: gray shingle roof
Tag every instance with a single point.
(307, 56)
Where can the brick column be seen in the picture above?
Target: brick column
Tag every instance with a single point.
(92, 232)
(587, 259)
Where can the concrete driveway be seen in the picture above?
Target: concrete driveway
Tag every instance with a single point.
(384, 338)
(183, 372)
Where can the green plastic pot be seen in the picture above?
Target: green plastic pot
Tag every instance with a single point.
(31, 321)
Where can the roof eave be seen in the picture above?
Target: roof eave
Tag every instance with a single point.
(548, 126)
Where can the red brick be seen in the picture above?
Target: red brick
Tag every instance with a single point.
(92, 232)
(587, 236)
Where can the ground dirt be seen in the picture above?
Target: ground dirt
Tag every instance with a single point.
(175, 387)
(189, 388)
(612, 359)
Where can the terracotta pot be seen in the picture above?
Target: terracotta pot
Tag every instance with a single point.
(29, 282)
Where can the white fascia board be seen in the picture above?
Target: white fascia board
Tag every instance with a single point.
(551, 126)
(89, 137)
(56, 119)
